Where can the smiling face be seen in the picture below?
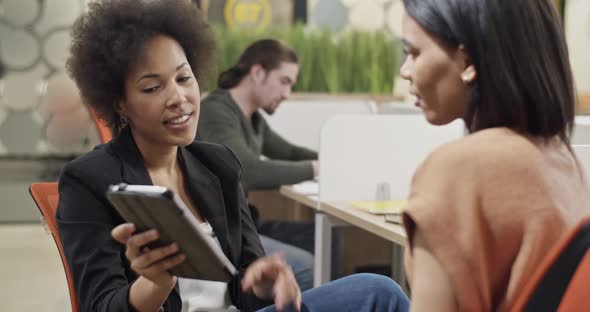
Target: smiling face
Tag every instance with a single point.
(439, 75)
(162, 98)
(274, 86)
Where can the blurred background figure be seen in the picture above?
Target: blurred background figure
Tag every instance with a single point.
(68, 123)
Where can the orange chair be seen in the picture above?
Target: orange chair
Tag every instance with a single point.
(104, 132)
(562, 281)
(46, 197)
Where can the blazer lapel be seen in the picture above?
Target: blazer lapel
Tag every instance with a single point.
(205, 189)
(203, 186)
(133, 168)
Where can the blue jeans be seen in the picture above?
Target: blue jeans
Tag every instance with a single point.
(361, 292)
(301, 261)
(301, 234)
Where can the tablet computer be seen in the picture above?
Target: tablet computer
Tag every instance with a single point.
(157, 207)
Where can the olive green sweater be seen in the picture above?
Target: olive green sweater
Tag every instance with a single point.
(221, 121)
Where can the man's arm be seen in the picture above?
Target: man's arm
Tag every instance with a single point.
(276, 147)
(222, 128)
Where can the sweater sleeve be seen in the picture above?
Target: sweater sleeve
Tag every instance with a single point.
(276, 147)
(443, 206)
(218, 126)
(487, 208)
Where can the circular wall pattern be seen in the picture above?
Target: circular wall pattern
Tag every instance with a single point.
(311, 4)
(394, 17)
(56, 47)
(58, 14)
(331, 14)
(34, 43)
(21, 89)
(3, 115)
(15, 139)
(359, 12)
(350, 3)
(20, 13)
(20, 49)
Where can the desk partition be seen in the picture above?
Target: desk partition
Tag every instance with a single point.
(370, 157)
(583, 154)
(301, 121)
(581, 133)
(359, 153)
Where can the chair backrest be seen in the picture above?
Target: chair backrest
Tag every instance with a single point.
(561, 281)
(576, 297)
(46, 196)
(104, 132)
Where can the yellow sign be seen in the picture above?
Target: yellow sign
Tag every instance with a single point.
(253, 14)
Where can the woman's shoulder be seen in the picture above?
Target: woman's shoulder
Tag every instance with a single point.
(218, 102)
(490, 148)
(217, 157)
(83, 183)
(95, 170)
(98, 161)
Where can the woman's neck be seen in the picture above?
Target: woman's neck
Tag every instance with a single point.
(158, 158)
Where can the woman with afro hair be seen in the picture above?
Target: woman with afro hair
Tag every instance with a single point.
(139, 64)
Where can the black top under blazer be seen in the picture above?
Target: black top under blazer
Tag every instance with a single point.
(101, 272)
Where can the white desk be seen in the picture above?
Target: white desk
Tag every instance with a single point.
(331, 214)
(369, 222)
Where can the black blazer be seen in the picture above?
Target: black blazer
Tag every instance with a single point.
(101, 272)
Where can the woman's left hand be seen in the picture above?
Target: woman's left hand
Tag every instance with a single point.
(271, 277)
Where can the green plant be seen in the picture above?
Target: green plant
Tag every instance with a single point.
(349, 62)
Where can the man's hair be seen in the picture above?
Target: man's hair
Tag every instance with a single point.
(524, 79)
(268, 53)
(109, 39)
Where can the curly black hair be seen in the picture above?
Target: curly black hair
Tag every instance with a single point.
(109, 38)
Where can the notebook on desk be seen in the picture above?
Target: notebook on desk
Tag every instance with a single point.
(394, 218)
(307, 188)
(380, 207)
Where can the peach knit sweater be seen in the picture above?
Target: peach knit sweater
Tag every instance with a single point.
(490, 206)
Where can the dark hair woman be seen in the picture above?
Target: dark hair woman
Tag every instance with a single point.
(485, 209)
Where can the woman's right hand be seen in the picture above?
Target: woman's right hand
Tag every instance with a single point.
(151, 264)
(271, 277)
